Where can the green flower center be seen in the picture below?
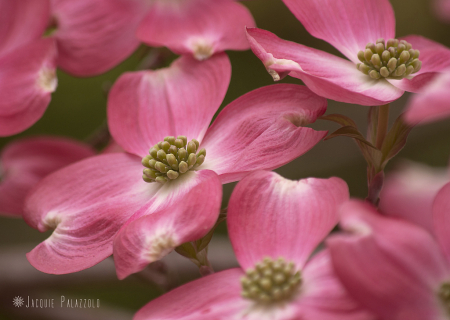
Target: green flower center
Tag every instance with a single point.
(271, 281)
(169, 159)
(392, 60)
(444, 296)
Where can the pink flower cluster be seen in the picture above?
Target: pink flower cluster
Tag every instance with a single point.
(163, 186)
(87, 38)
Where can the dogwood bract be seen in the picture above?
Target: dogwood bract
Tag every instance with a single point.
(175, 24)
(274, 225)
(23, 163)
(381, 68)
(394, 268)
(161, 119)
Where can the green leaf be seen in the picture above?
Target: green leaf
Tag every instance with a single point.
(351, 132)
(395, 139)
(187, 250)
(373, 156)
(203, 242)
(339, 118)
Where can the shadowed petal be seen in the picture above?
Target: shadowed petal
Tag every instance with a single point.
(86, 204)
(325, 74)
(175, 24)
(346, 24)
(27, 79)
(323, 297)
(22, 22)
(442, 9)
(94, 36)
(215, 297)
(432, 103)
(151, 237)
(23, 163)
(409, 193)
(435, 58)
(269, 216)
(441, 209)
(144, 107)
(390, 266)
(263, 129)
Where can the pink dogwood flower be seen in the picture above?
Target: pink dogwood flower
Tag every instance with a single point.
(274, 225)
(432, 103)
(94, 36)
(23, 163)
(88, 202)
(381, 68)
(83, 37)
(394, 268)
(27, 64)
(408, 192)
(442, 9)
(197, 27)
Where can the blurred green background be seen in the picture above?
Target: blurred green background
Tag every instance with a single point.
(78, 109)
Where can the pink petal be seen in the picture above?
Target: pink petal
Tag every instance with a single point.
(112, 147)
(390, 266)
(409, 193)
(24, 162)
(442, 9)
(266, 212)
(94, 36)
(325, 74)
(27, 75)
(322, 295)
(151, 237)
(176, 26)
(144, 107)
(86, 204)
(435, 58)
(263, 129)
(441, 209)
(432, 103)
(217, 296)
(346, 24)
(22, 22)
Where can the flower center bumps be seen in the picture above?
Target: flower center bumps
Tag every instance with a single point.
(392, 60)
(444, 295)
(170, 158)
(271, 281)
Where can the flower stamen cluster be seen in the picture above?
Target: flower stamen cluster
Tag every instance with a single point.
(169, 159)
(444, 296)
(392, 60)
(271, 281)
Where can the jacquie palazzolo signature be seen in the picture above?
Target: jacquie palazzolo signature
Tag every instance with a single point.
(50, 303)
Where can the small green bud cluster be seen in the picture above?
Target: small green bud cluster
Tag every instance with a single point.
(444, 296)
(170, 158)
(392, 60)
(271, 281)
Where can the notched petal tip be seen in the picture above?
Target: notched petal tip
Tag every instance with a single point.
(296, 119)
(47, 79)
(202, 49)
(158, 246)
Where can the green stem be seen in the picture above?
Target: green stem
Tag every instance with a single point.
(382, 128)
(375, 176)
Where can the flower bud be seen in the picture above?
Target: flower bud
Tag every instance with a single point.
(374, 74)
(145, 161)
(182, 154)
(384, 72)
(172, 174)
(161, 155)
(184, 139)
(183, 167)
